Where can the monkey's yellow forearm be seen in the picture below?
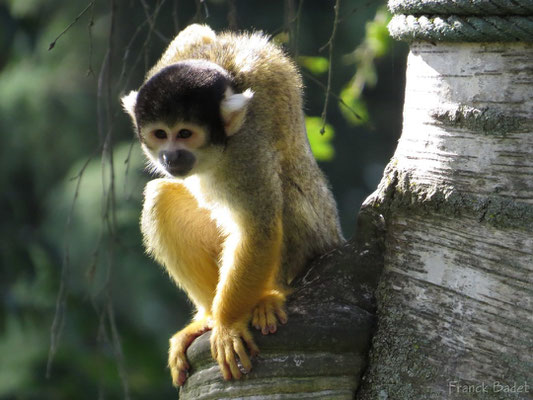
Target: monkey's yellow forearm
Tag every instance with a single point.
(248, 275)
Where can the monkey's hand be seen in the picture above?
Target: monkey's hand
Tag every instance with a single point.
(226, 342)
(269, 311)
(179, 343)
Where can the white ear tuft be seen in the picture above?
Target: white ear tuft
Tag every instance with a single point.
(233, 109)
(128, 103)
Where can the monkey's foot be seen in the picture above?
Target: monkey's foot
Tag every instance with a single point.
(269, 311)
(179, 343)
(226, 342)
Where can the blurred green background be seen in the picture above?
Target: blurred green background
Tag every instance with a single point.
(78, 295)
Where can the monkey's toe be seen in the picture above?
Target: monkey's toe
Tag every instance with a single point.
(268, 312)
(227, 346)
(179, 343)
(178, 365)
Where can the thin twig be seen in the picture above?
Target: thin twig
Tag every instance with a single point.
(127, 161)
(175, 16)
(283, 27)
(61, 301)
(150, 32)
(123, 80)
(232, 15)
(90, 25)
(52, 45)
(336, 96)
(99, 98)
(126, 55)
(117, 346)
(146, 9)
(298, 19)
(151, 19)
(330, 45)
(290, 17)
(198, 17)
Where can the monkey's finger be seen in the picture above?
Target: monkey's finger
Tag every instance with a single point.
(282, 315)
(178, 360)
(261, 321)
(262, 310)
(179, 376)
(243, 356)
(224, 369)
(232, 362)
(271, 320)
(249, 340)
(214, 352)
(182, 377)
(255, 318)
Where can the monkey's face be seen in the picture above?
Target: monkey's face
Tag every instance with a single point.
(179, 150)
(184, 115)
(172, 148)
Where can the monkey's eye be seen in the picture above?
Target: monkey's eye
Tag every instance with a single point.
(184, 134)
(160, 134)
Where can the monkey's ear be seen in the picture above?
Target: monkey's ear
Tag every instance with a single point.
(128, 104)
(233, 109)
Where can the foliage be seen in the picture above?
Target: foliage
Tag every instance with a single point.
(375, 44)
(315, 65)
(320, 142)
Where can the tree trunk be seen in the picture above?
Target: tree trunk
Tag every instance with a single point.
(454, 301)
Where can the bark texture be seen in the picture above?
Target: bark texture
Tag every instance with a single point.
(455, 315)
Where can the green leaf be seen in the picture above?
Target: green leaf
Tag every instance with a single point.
(316, 65)
(320, 143)
(377, 34)
(375, 44)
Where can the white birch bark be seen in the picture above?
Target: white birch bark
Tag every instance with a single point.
(455, 316)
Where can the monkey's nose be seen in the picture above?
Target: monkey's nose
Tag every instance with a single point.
(169, 158)
(178, 162)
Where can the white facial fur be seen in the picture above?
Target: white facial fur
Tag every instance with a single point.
(153, 145)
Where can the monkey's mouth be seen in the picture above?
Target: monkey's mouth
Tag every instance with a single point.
(179, 171)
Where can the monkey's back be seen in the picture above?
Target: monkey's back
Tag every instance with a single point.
(310, 219)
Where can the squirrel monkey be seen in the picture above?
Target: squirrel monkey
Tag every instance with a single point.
(243, 205)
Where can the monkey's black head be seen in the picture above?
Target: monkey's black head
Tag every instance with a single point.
(184, 113)
(189, 91)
